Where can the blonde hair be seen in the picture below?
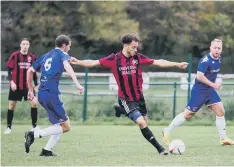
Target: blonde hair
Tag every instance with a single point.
(216, 40)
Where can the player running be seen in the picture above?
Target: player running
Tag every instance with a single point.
(126, 68)
(51, 65)
(203, 92)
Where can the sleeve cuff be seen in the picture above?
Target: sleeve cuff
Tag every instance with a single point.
(200, 72)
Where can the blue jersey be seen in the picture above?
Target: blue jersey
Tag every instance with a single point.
(210, 68)
(201, 93)
(51, 67)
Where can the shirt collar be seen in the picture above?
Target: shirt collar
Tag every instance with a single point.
(59, 49)
(214, 57)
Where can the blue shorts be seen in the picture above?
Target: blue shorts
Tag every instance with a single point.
(200, 97)
(53, 106)
(133, 109)
(134, 115)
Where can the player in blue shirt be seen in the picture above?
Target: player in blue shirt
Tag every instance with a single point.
(203, 92)
(51, 66)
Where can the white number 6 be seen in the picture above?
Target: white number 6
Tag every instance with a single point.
(47, 64)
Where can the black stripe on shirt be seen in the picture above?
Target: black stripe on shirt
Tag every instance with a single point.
(121, 80)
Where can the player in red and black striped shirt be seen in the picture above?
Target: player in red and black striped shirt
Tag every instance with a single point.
(126, 68)
(18, 64)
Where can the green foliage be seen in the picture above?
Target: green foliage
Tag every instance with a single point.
(43, 25)
(158, 110)
(229, 110)
(166, 28)
(101, 111)
(105, 20)
(174, 27)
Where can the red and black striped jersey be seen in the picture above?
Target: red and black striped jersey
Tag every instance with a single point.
(19, 64)
(128, 73)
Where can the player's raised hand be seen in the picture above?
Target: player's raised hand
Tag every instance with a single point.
(13, 86)
(183, 65)
(30, 95)
(80, 89)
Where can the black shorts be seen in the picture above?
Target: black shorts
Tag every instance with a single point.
(130, 106)
(18, 95)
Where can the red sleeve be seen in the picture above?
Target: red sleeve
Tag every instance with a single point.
(108, 61)
(145, 60)
(11, 61)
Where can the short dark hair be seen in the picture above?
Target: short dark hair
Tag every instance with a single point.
(62, 39)
(24, 39)
(128, 38)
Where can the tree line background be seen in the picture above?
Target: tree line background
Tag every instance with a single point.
(168, 30)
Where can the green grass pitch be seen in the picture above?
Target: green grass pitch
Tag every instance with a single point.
(117, 145)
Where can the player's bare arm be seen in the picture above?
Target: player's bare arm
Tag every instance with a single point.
(71, 72)
(85, 63)
(30, 73)
(12, 83)
(165, 64)
(203, 79)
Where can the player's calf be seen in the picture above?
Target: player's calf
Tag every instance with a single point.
(146, 132)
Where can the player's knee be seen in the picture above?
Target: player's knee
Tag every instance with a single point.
(220, 113)
(146, 118)
(142, 123)
(66, 127)
(66, 130)
(34, 103)
(188, 114)
(12, 105)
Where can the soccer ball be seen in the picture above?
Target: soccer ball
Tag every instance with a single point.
(176, 147)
